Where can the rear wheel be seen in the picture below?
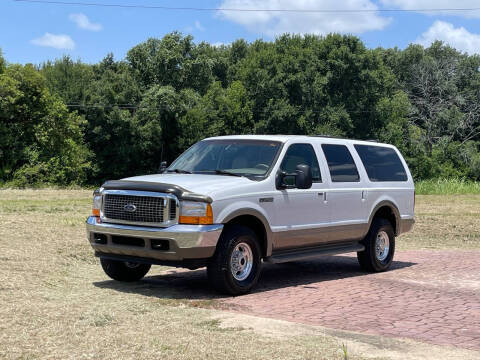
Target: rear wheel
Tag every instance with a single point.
(379, 247)
(124, 270)
(236, 264)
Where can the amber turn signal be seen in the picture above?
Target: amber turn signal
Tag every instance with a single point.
(207, 219)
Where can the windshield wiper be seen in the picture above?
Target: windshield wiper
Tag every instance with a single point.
(179, 171)
(223, 172)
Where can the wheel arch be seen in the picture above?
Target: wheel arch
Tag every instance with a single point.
(387, 210)
(257, 222)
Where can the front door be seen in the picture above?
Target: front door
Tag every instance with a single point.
(300, 213)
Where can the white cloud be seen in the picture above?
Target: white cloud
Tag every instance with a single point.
(459, 38)
(436, 4)
(199, 26)
(55, 41)
(83, 22)
(196, 26)
(274, 23)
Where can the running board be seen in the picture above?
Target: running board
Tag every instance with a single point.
(313, 253)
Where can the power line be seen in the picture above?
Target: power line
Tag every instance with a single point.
(159, 7)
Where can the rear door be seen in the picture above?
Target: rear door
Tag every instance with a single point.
(347, 194)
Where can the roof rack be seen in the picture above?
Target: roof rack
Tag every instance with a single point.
(326, 136)
(341, 138)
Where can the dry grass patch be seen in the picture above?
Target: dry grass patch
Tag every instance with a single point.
(444, 222)
(56, 302)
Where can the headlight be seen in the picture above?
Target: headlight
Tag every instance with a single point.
(193, 212)
(97, 203)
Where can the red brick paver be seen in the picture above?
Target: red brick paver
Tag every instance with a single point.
(430, 296)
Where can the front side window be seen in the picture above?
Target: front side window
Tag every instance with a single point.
(250, 158)
(381, 163)
(340, 163)
(300, 154)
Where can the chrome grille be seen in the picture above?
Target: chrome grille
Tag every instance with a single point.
(173, 209)
(139, 208)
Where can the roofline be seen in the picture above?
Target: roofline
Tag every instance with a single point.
(285, 138)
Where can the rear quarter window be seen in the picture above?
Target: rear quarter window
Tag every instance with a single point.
(381, 163)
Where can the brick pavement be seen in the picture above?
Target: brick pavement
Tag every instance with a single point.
(429, 296)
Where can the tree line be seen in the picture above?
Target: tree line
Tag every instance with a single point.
(67, 122)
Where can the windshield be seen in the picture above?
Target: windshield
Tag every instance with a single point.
(251, 158)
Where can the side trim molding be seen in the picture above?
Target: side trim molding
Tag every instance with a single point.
(294, 239)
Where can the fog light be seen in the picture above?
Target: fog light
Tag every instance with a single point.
(100, 238)
(160, 244)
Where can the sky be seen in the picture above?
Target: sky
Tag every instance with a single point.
(32, 32)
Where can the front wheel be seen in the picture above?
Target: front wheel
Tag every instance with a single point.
(235, 267)
(379, 247)
(124, 270)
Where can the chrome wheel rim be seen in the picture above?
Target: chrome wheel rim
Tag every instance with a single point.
(241, 261)
(382, 245)
(131, 265)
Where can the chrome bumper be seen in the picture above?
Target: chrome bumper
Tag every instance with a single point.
(185, 241)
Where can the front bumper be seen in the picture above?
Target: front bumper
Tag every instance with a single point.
(184, 241)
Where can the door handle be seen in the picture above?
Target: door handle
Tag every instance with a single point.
(324, 195)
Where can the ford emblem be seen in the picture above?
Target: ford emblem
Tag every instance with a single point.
(130, 208)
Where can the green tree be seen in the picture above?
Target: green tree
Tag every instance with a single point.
(172, 92)
(111, 101)
(3, 63)
(306, 84)
(156, 123)
(175, 61)
(219, 112)
(40, 140)
(69, 79)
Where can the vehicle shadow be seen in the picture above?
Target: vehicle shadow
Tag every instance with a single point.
(180, 284)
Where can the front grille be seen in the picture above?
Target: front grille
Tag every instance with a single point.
(173, 209)
(156, 210)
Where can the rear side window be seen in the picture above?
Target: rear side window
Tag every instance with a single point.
(340, 163)
(381, 163)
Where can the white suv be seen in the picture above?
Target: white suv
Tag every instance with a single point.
(231, 202)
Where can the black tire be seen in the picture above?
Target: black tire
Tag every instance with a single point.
(219, 270)
(368, 259)
(124, 271)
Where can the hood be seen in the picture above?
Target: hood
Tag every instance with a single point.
(197, 183)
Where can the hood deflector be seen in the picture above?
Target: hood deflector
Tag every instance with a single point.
(178, 191)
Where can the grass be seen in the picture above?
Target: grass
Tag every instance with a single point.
(447, 187)
(56, 302)
(444, 222)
